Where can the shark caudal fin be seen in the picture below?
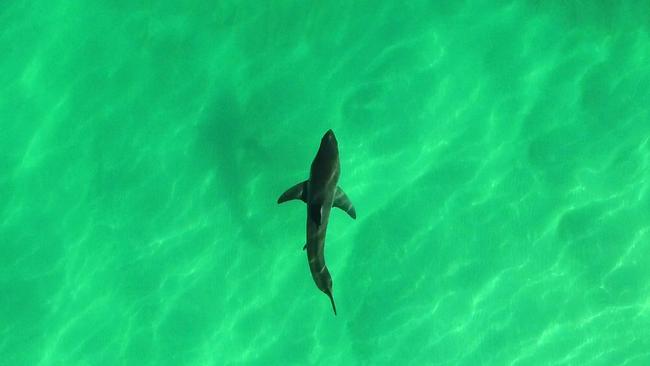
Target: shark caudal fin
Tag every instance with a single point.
(297, 192)
(342, 201)
(329, 294)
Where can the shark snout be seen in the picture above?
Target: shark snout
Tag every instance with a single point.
(329, 140)
(329, 136)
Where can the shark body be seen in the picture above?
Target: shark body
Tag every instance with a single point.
(321, 192)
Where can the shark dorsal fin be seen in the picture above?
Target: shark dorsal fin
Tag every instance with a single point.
(316, 213)
(342, 201)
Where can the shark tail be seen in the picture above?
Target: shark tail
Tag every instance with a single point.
(329, 294)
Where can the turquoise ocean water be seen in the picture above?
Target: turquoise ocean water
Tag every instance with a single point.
(497, 153)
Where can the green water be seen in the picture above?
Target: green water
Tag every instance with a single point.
(497, 153)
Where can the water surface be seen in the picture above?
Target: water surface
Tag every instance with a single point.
(498, 155)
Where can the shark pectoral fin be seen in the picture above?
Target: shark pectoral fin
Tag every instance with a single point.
(342, 201)
(296, 192)
(305, 247)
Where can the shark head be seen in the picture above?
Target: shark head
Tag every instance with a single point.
(329, 135)
(329, 147)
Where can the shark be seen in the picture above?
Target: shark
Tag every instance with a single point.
(321, 192)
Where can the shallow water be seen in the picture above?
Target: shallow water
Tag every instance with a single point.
(497, 153)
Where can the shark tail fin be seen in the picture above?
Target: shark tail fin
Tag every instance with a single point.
(329, 294)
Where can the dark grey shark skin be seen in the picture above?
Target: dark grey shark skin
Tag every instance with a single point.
(320, 192)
